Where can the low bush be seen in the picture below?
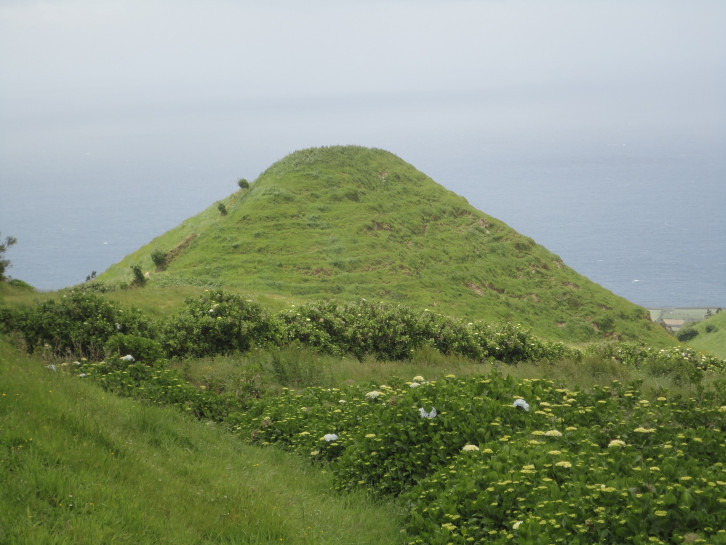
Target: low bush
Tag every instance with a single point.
(157, 384)
(686, 334)
(159, 258)
(140, 348)
(217, 323)
(685, 361)
(80, 323)
(17, 283)
(138, 273)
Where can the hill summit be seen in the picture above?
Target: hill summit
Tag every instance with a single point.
(349, 222)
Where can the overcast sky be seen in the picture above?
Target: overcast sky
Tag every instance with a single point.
(101, 101)
(92, 60)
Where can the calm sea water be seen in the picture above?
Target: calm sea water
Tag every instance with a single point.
(648, 225)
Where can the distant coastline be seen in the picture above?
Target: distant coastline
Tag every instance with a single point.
(677, 317)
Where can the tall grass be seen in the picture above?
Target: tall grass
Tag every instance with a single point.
(83, 466)
(265, 372)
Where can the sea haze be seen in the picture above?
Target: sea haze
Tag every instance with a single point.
(649, 227)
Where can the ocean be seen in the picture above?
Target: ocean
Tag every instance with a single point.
(645, 221)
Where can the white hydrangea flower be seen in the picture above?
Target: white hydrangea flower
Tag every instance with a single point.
(414, 384)
(418, 378)
(375, 394)
(521, 404)
(330, 437)
(128, 357)
(425, 414)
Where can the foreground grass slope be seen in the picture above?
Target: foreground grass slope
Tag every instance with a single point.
(352, 222)
(79, 465)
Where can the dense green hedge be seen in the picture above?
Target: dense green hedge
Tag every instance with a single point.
(79, 323)
(83, 323)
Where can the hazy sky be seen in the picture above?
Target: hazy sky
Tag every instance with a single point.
(94, 60)
(103, 101)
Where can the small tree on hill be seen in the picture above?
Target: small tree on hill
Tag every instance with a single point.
(159, 258)
(243, 183)
(139, 278)
(5, 263)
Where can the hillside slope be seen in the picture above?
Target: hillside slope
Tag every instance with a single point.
(711, 335)
(352, 222)
(82, 466)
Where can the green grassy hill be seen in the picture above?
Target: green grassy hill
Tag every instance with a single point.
(711, 335)
(79, 465)
(352, 222)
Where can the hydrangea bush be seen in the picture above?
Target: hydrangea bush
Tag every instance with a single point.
(217, 322)
(598, 466)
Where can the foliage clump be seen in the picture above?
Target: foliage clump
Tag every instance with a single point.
(5, 263)
(79, 323)
(159, 257)
(394, 332)
(138, 273)
(686, 334)
(217, 323)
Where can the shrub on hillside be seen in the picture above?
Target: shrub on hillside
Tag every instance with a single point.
(5, 263)
(394, 332)
(216, 323)
(159, 258)
(387, 332)
(79, 323)
(686, 334)
(158, 385)
(19, 284)
(139, 278)
(678, 361)
(141, 349)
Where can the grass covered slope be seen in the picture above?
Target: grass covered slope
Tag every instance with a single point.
(79, 465)
(711, 335)
(353, 222)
